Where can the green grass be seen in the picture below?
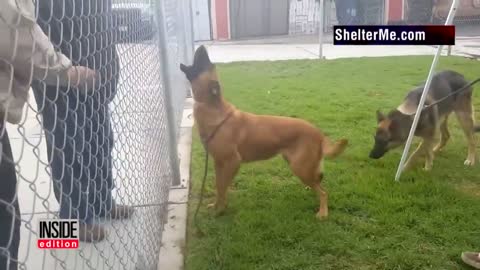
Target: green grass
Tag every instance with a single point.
(423, 222)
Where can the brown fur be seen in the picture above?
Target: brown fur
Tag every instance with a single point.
(246, 137)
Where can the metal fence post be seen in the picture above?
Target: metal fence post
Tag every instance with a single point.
(421, 103)
(188, 26)
(182, 16)
(192, 34)
(321, 10)
(167, 93)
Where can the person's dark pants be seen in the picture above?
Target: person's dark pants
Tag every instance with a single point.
(420, 11)
(79, 144)
(346, 11)
(9, 210)
(341, 11)
(78, 131)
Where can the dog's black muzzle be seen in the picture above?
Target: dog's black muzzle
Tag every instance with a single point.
(377, 153)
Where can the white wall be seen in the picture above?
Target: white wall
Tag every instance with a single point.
(303, 16)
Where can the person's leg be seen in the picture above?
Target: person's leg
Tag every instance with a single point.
(360, 7)
(352, 12)
(341, 11)
(101, 146)
(64, 163)
(9, 210)
(99, 140)
(64, 126)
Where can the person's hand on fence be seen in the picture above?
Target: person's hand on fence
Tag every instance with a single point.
(82, 78)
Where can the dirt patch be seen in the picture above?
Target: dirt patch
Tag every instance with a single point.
(469, 188)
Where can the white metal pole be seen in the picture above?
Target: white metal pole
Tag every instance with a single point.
(449, 21)
(321, 11)
(165, 67)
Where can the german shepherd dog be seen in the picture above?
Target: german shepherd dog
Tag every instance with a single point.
(393, 128)
(233, 137)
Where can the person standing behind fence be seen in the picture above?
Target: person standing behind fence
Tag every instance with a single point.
(78, 129)
(25, 52)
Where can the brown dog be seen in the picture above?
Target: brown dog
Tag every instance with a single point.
(232, 136)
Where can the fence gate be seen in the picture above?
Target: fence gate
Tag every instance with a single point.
(256, 18)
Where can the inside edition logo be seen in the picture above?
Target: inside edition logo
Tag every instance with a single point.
(58, 234)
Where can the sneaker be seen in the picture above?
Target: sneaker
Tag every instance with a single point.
(472, 259)
(91, 233)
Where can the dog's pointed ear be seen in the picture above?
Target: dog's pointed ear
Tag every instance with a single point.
(183, 68)
(201, 60)
(380, 116)
(187, 70)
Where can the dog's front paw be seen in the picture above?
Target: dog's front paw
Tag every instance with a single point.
(427, 168)
(211, 206)
(437, 149)
(219, 210)
(322, 215)
(469, 162)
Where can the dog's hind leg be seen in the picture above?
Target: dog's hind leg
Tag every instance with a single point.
(428, 148)
(464, 111)
(225, 171)
(465, 117)
(444, 135)
(307, 166)
(322, 197)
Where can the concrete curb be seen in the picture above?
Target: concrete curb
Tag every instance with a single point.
(174, 233)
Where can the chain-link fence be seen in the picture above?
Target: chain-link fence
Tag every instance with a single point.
(467, 22)
(304, 17)
(105, 155)
(304, 14)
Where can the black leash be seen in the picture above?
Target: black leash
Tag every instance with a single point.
(205, 172)
(202, 190)
(451, 94)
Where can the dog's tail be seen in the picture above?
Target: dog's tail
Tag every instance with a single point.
(332, 150)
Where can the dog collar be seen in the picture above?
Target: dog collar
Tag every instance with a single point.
(210, 137)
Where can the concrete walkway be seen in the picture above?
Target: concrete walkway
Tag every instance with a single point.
(272, 52)
(174, 234)
(223, 53)
(306, 47)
